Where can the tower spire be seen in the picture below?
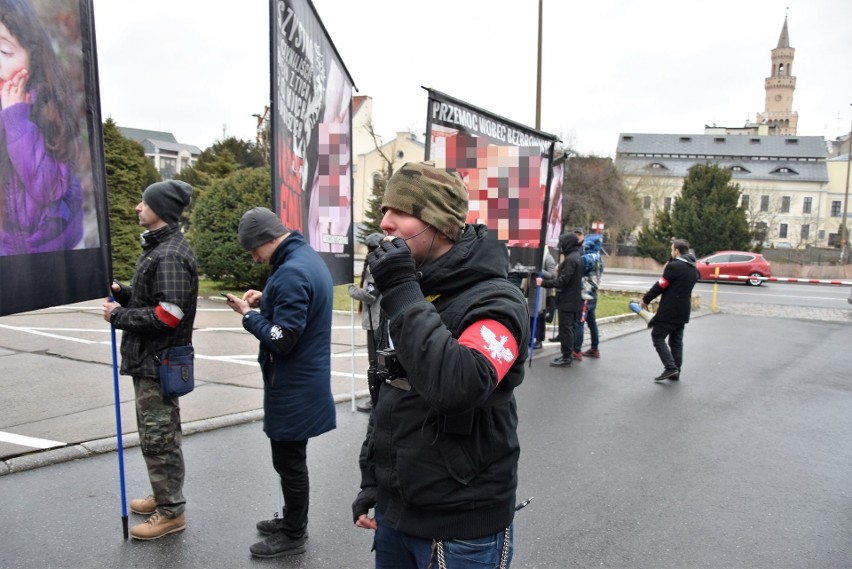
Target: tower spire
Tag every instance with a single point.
(778, 115)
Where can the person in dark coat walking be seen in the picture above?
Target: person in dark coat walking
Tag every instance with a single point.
(294, 330)
(569, 282)
(676, 284)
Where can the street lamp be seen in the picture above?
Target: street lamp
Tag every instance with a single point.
(844, 232)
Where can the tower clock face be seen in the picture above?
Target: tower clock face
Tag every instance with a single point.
(777, 97)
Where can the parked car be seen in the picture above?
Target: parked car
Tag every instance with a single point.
(737, 263)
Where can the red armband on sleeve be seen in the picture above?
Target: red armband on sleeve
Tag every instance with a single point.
(494, 341)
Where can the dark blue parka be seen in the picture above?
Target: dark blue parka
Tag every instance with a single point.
(297, 399)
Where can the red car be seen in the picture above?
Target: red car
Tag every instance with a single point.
(736, 263)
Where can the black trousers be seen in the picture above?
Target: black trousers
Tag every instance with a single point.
(290, 460)
(566, 332)
(671, 355)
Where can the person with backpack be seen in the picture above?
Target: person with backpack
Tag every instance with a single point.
(593, 267)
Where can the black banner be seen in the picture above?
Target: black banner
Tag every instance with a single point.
(506, 168)
(312, 134)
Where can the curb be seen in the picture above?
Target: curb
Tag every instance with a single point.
(87, 449)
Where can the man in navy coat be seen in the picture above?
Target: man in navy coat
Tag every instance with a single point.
(294, 330)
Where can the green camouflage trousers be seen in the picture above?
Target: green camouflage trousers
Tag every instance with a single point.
(160, 437)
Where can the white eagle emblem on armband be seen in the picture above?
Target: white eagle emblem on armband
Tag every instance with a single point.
(497, 348)
(275, 332)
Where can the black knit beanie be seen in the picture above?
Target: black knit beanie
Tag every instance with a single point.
(168, 199)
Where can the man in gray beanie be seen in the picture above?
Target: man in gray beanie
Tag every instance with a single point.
(156, 312)
(168, 199)
(294, 330)
(440, 463)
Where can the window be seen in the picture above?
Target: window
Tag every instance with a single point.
(834, 240)
(835, 208)
(785, 204)
(761, 229)
(764, 203)
(782, 231)
(784, 170)
(806, 231)
(646, 202)
(168, 166)
(744, 201)
(667, 204)
(739, 169)
(658, 166)
(807, 204)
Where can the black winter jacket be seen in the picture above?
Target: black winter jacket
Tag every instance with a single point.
(569, 281)
(679, 277)
(444, 454)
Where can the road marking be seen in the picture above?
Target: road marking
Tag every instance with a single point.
(24, 441)
(57, 336)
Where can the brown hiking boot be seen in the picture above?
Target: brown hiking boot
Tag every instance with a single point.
(143, 506)
(592, 353)
(157, 526)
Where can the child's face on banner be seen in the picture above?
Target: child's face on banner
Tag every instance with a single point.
(13, 56)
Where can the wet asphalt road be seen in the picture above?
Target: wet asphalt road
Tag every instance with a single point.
(744, 463)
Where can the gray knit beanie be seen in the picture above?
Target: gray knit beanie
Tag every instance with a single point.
(168, 199)
(259, 226)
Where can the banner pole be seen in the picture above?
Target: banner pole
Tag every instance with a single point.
(118, 433)
(535, 320)
(352, 319)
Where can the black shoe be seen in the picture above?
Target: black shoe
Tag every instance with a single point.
(677, 377)
(562, 362)
(668, 374)
(553, 339)
(268, 527)
(366, 406)
(537, 345)
(278, 544)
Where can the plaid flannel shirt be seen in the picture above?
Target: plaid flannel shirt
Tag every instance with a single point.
(165, 277)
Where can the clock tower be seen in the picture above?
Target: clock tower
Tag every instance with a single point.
(778, 112)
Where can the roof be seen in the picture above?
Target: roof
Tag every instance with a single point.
(722, 145)
(140, 134)
(173, 146)
(776, 158)
(741, 170)
(784, 38)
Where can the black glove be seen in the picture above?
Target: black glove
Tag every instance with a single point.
(391, 264)
(366, 499)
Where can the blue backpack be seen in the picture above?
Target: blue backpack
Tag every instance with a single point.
(592, 261)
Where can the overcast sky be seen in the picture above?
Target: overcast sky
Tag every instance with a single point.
(200, 68)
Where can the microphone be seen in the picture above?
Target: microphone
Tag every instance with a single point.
(416, 234)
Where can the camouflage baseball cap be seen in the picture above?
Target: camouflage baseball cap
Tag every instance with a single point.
(431, 194)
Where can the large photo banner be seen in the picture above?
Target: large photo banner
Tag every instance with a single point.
(312, 134)
(506, 168)
(53, 214)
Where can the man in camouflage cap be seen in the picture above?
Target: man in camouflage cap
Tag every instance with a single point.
(459, 331)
